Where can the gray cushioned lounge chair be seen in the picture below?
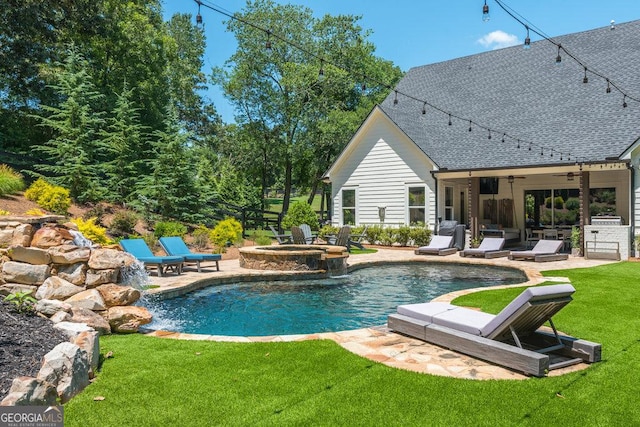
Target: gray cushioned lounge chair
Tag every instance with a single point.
(490, 247)
(544, 250)
(511, 338)
(439, 245)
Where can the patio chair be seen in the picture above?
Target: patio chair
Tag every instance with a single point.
(490, 247)
(439, 245)
(512, 338)
(282, 239)
(309, 236)
(139, 249)
(297, 235)
(176, 246)
(543, 251)
(342, 238)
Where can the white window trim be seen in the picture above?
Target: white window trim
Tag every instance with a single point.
(407, 216)
(357, 207)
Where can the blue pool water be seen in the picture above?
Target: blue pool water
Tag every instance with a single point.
(363, 298)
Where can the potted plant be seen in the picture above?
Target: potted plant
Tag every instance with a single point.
(575, 242)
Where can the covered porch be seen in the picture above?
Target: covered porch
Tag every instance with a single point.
(525, 204)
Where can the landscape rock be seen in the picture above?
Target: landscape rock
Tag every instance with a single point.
(49, 307)
(26, 274)
(96, 278)
(128, 319)
(89, 343)
(47, 237)
(22, 235)
(89, 299)
(74, 273)
(110, 259)
(29, 391)
(33, 256)
(6, 238)
(69, 254)
(71, 329)
(56, 287)
(114, 295)
(67, 366)
(60, 316)
(90, 318)
(11, 288)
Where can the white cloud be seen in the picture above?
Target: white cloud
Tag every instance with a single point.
(498, 39)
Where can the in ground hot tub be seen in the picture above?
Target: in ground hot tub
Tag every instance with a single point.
(294, 257)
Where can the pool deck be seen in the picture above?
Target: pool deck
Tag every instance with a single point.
(378, 343)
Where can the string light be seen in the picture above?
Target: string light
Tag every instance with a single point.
(559, 58)
(485, 12)
(527, 40)
(469, 125)
(321, 72)
(489, 137)
(624, 101)
(424, 108)
(267, 45)
(585, 79)
(395, 100)
(608, 86)
(503, 135)
(450, 119)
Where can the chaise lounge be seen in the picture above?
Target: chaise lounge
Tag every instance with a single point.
(490, 247)
(511, 338)
(139, 249)
(439, 245)
(177, 247)
(543, 251)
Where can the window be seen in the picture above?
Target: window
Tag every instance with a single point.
(417, 202)
(448, 203)
(552, 207)
(602, 201)
(348, 207)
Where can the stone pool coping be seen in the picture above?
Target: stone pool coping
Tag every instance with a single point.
(377, 343)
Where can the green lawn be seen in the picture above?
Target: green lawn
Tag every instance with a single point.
(158, 382)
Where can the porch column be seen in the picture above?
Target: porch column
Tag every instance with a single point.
(584, 206)
(473, 187)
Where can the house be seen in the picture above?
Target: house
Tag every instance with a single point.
(512, 138)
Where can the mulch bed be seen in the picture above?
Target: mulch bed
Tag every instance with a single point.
(24, 340)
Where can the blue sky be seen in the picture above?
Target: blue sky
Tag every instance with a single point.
(412, 33)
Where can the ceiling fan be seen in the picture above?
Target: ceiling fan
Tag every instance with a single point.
(570, 175)
(512, 178)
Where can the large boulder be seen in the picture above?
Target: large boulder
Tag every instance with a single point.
(12, 288)
(28, 391)
(100, 277)
(22, 235)
(71, 329)
(56, 287)
(90, 318)
(128, 319)
(114, 295)
(69, 254)
(47, 237)
(33, 256)
(74, 273)
(110, 259)
(67, 366)
(49, 307)
(89, 299)
(27, 274)
(89, 343)
(6, 237)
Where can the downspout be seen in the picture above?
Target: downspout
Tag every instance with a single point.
(435, 221)
(632, 205)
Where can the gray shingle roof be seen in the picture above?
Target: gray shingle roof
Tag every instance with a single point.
(524, 93)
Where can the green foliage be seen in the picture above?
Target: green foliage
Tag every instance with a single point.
(300, 213)
(123, 223)
(421, 236)
(52, 198)
(151, 240)
(92, 231)
(226, 232)
(373, 234)
(403, 235)
(558, 202)
(23, 301)
(575, 237)
(572, 203)
(201, 237)
(10, 181)
(328, 230)
(169, 229)
(387, 237)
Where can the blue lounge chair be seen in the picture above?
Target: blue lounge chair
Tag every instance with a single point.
(177, 246)
(139, 249)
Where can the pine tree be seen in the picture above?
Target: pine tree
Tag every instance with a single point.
(76, 148)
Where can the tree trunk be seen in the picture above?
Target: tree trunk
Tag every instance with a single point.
(287, 185)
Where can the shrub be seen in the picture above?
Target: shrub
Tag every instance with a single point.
(373, 234)
(169, 229)
(35, 212)
(226, 232)
(300, 213)
(23, 301)
(3, 212)
(403, 235)
(50, 197)
(201, 237)
(151, 240)
(123, 223)
(10, 181)
(387, 237)
(421, 236)
(327, 230)
(36, 189)
(92, 231)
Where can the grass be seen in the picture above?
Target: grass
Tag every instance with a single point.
(152, 381)
(275, 204)
(358, 251)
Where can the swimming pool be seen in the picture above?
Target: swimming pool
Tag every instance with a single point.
(363, 298)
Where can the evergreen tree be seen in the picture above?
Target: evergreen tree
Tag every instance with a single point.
(124, 138)
(75, 148)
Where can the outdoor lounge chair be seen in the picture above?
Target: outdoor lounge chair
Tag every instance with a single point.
(298, 236)
(511, 338)
(309, 236)
(175, 246)
(543, 251)
(139, 249)
(490, 247)
(282, 239)
(342, 238)
(439, 245)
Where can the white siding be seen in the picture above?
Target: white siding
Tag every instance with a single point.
(380, 164)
